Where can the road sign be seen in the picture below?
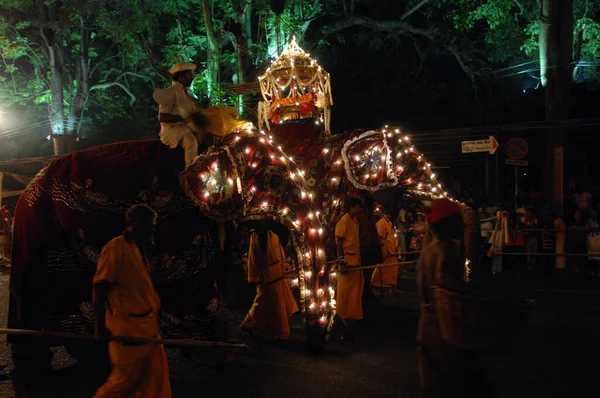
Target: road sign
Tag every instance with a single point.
(490, 145)
(519, 163)
(516, 148)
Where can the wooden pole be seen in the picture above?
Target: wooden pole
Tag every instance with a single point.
(381, 265)
(487, 177)
(121, 339)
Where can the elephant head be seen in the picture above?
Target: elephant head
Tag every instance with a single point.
(250, 179)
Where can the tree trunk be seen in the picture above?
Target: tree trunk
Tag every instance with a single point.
(57, 113)
(213, 47)
(556, 56)
(243, 39)
(52, 49)
(82, 87)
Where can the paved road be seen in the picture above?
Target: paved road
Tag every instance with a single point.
(557, 357)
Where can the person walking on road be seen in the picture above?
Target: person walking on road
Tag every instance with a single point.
(126, 304)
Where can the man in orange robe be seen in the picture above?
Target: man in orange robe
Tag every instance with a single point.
(350, 283)
(126, 304)
(274, 302)
(387, 276)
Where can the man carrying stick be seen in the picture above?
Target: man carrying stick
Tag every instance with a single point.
(126, 304)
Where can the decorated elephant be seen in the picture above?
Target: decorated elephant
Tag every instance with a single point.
(77, 204)
(378, 165)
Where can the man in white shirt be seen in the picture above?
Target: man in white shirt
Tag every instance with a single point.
(179, 119)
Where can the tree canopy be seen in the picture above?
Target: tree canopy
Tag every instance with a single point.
(79, 65)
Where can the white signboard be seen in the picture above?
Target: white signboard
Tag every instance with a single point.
(490, 145)
(520, 163)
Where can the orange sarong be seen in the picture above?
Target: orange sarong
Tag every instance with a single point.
(137, 371)
(147, 377)
(386, 276)
(351, 284)
(274, 302)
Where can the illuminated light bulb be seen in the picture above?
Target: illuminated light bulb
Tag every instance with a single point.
(310, 195)
(319, 251)
(253, 189)
(397, 130)
(206, 194)
(307, 292)
(320, 231)
(339, 161)
(428, 164)
(271, 137)
(262, 140)
(215, 165)
(237, 138)
(386, 126)
(424, 167)
(357, 158)
(310, 215)
(335, 202)
(323, 319)
(445, 193)
(230, 181)
(295, 282)
(312, 306)
(325, 150)
(406, 138)
(282, 159)
(247, 150)
(399, 168)
(292, 176)
(318, 213)
(406, 151)
(323, 303)
(272, 156)
(432, 175)
(420, 157)
(265, 204)
(263, 132)
(412, 149)
(316, 122)
(383, 157)
(285, 211)
(333, 274)
(202, 175)
(303, 194)
(320, 292)
(433, 189)
(399, 154)
(254, 165)
(312, 230)
(409, 180)
(302, 172)
(307, 255)
(308, 274)
(389, 134)
(279, 147)
(333, 302)
(291, 158)
(440, 185)
(366, 176)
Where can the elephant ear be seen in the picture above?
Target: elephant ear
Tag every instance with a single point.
(214, 185)
(472, 233)
(367, 159)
